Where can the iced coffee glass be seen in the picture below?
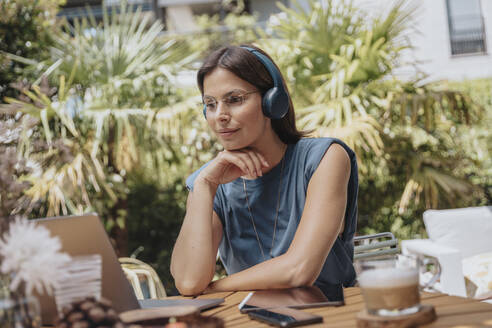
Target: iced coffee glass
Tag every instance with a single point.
(390, 285)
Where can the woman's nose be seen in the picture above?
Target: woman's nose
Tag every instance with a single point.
(222, 113)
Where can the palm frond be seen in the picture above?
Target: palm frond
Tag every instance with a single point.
(433, 184)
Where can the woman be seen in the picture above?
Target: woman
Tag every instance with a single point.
(280, 208)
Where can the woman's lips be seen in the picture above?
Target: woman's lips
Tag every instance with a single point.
(227, 132)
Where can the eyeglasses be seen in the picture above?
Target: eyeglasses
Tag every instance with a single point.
(232, 100)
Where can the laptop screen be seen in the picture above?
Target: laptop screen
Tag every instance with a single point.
(85, 235)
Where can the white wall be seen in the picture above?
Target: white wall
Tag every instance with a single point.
(265, 8)
(432, 47)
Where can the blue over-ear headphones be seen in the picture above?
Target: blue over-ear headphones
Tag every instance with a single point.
(275, 102)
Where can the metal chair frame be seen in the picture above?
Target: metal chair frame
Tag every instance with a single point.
(370, 246)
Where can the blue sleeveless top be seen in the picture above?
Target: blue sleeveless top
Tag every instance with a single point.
(239, 247)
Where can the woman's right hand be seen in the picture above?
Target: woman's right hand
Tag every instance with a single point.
(231, 164)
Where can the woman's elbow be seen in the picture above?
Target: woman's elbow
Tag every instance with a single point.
(302, 275)
(189, 285)
(189, 282)
(189, 288)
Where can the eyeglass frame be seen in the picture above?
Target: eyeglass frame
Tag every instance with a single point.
(216, 102)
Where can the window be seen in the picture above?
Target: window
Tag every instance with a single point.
(466, 27)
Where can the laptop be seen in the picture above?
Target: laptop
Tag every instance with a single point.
(85, 235)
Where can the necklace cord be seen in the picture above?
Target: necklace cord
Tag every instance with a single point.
(252, 220)
(276, 212)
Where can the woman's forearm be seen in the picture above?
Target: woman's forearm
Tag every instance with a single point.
(280, 272)
(193, 258)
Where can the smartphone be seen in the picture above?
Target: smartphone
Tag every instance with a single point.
(284, 317)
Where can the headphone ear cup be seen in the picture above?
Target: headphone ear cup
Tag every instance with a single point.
(205, 111)
(266, 102)
(275, 103)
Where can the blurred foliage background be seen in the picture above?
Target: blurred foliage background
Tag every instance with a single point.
(94, 116)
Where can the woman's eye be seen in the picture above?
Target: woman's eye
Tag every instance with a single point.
(210, 106)
(234, 100)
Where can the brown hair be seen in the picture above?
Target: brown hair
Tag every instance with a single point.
(248, 67)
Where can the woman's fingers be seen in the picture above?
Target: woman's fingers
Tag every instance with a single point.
(245, 161)
(263, 160)
(244, 158)
(255, 160)
(237, 161)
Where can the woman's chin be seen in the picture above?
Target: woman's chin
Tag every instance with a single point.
(233, 148)
(229, 145)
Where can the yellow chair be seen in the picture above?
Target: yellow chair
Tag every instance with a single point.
(143, 278)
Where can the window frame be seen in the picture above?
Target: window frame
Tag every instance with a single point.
(482, 29)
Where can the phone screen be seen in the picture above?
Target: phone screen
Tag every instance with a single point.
(282, 320)
(284, 317)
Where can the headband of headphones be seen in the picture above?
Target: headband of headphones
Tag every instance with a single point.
(271, 68)
(275, 101)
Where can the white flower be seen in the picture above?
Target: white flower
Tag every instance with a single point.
(31, 256)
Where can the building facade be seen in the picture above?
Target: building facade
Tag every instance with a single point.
(452, 38)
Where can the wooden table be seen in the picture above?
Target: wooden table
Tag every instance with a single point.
(451, 311)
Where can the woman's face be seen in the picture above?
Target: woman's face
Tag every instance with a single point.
(234, 110)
